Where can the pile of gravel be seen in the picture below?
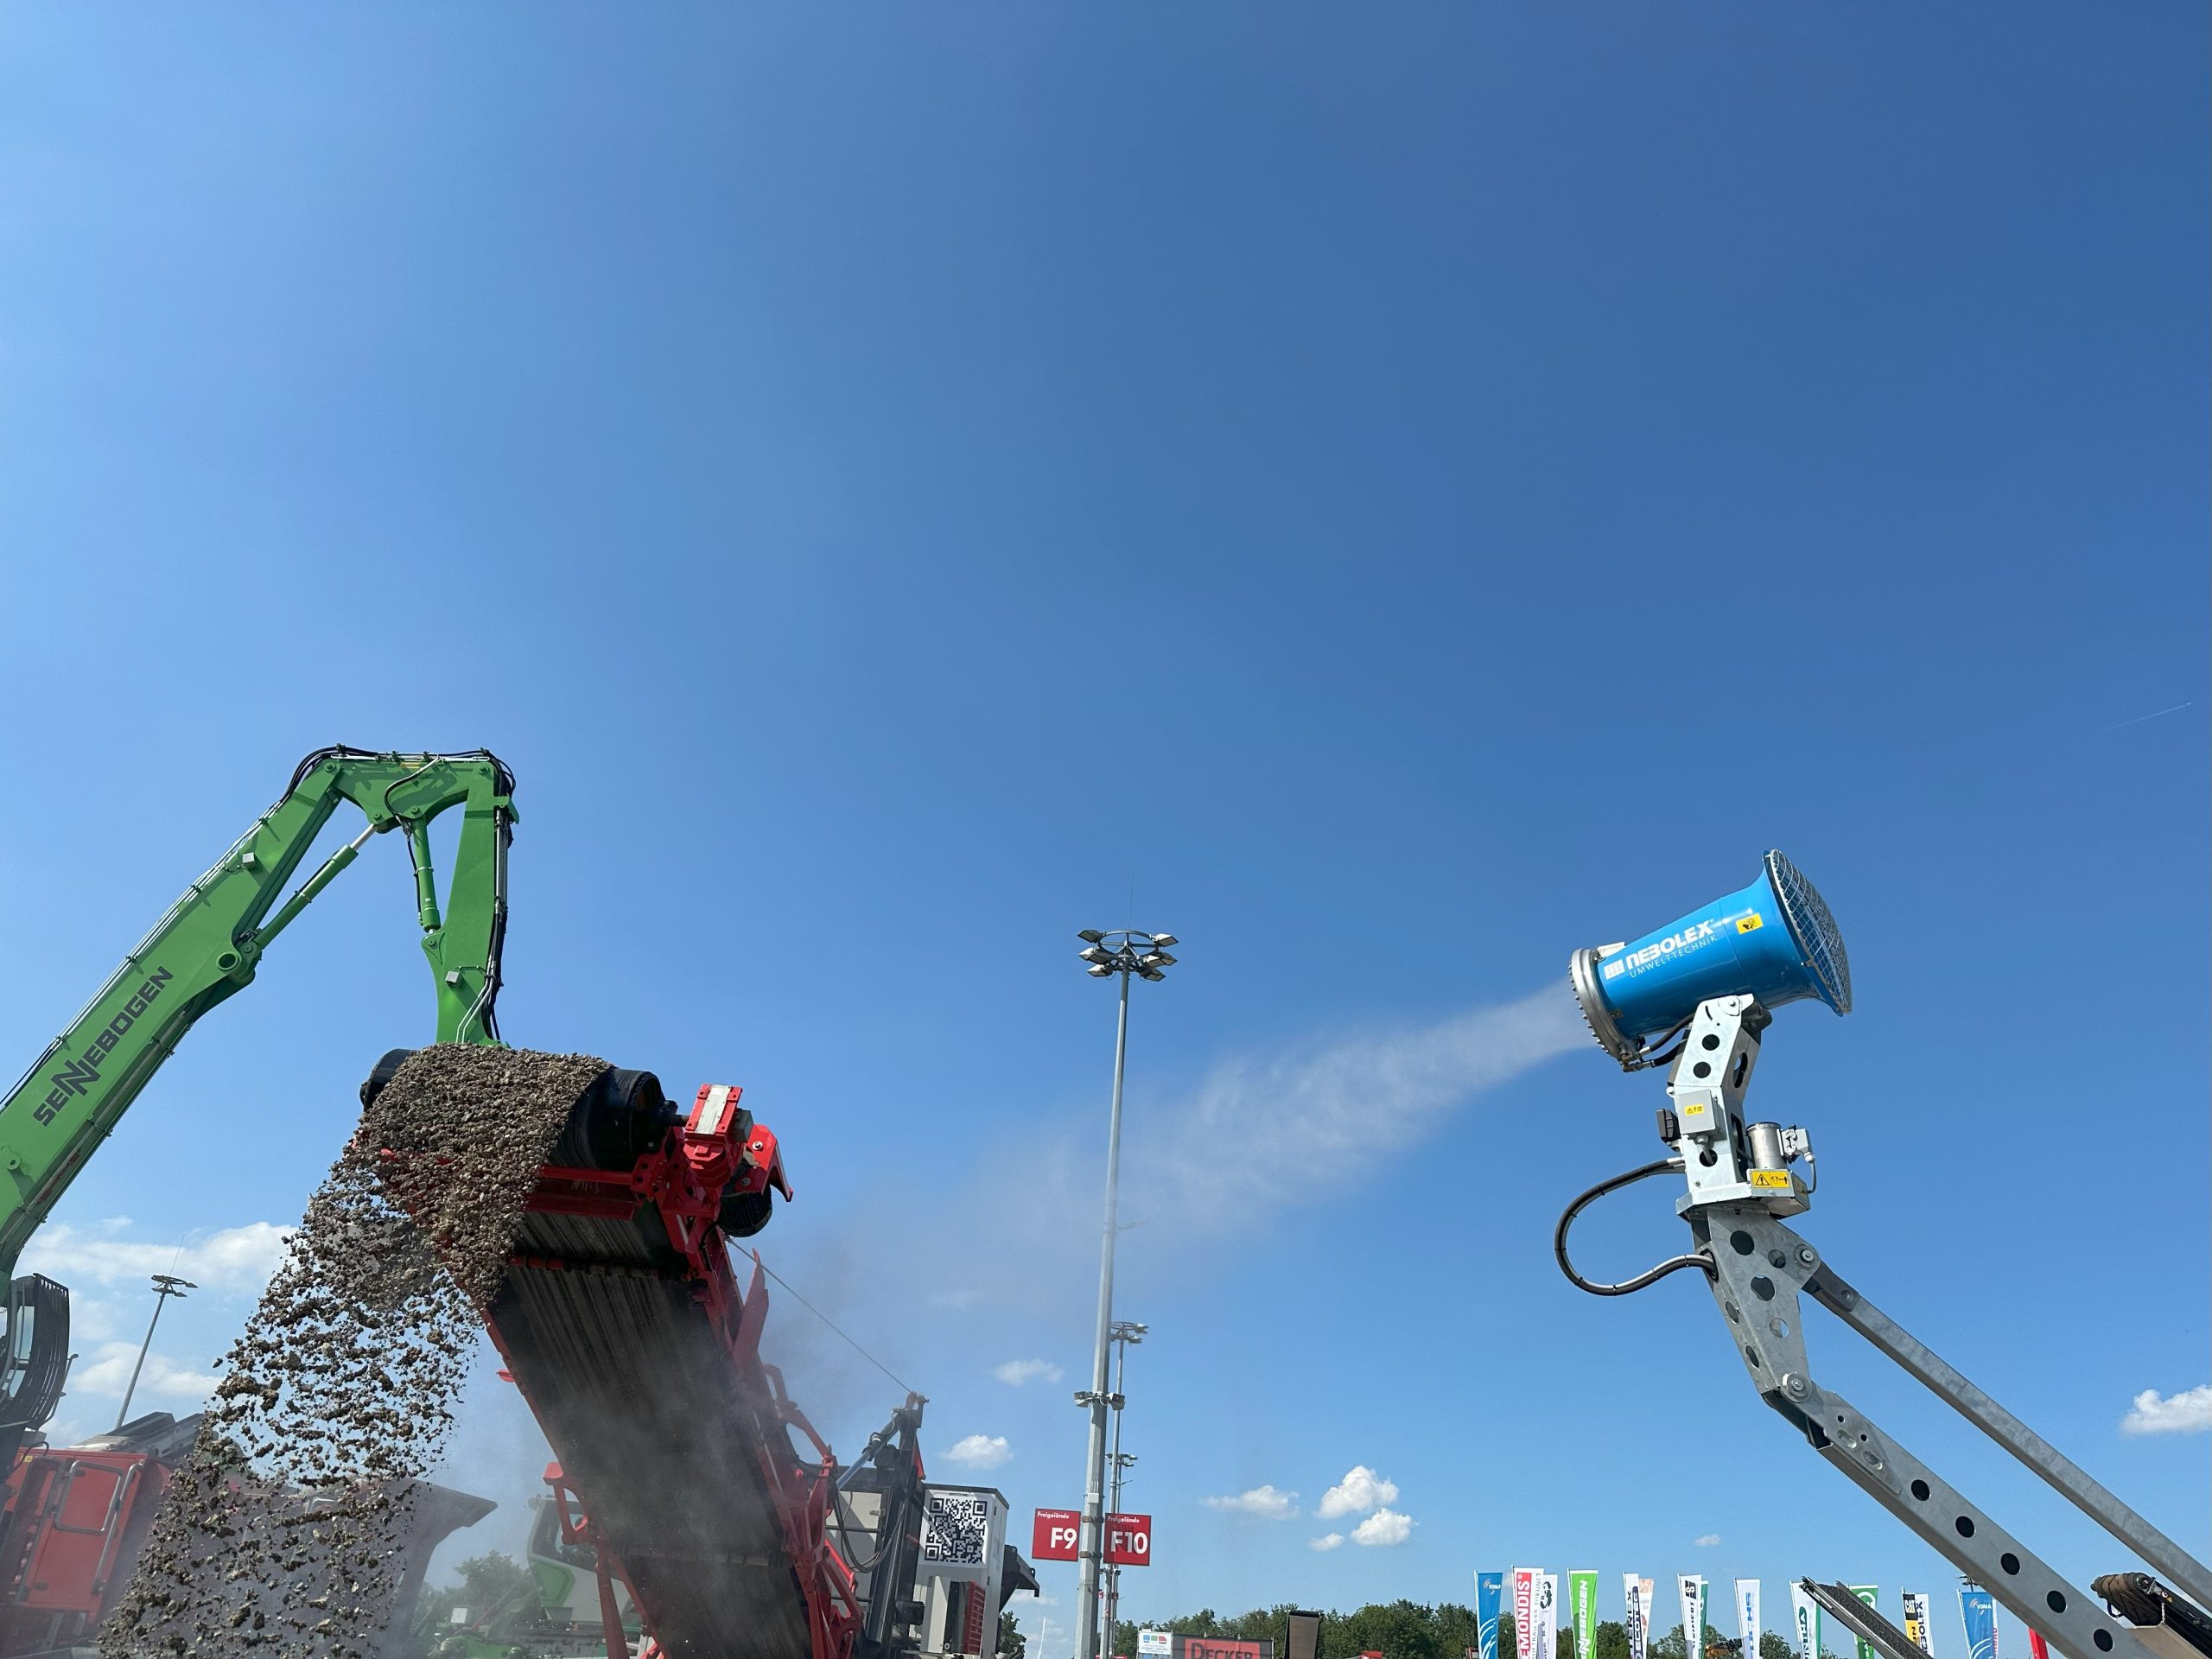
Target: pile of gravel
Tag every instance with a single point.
(285, 1532)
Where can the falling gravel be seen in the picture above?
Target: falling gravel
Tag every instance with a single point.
(286, 1529)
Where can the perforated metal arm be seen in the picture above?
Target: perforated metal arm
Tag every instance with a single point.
(1741, 1183)
(1761, 1269)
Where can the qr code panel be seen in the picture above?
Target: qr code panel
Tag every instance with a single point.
(957, 1529)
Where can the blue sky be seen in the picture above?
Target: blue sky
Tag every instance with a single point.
(1389, 495)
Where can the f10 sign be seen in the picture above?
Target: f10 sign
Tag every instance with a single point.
(1128, 1541)
(1055, 1535)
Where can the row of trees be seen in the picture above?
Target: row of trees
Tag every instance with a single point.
(1409, 1630)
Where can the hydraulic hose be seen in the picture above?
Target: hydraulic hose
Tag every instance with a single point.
(1650, 1275)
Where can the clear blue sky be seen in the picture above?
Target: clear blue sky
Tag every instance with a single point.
(1391, 494)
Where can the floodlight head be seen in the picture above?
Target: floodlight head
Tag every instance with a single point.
(1094, 953)
(1098, 970)
(1091, 936)
(1774, 940)
(1163, 940)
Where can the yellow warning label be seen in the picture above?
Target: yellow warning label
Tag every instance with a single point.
(1776, 1179)
(1695, 1109)
(1750, 923)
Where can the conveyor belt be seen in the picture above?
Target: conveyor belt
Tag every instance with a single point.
(659, 1430)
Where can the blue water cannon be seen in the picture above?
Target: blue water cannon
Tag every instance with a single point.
(1774, 940)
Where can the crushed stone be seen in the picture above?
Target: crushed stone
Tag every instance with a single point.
(284, 1534)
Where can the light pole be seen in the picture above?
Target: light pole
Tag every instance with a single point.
(1122, 951)
(166, 1285)
(1124, 1334)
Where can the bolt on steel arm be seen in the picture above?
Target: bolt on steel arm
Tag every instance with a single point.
(1743, 1178)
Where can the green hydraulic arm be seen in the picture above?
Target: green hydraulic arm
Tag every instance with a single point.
(208, 949)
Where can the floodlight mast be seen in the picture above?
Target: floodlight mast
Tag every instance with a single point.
(1124, 952)
(1742, 1179)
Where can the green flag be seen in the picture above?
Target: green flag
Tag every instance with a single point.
(1867, 1593)
(1582, 1596)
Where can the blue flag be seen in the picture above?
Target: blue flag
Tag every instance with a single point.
(1490, 1593)
(1978, 1609)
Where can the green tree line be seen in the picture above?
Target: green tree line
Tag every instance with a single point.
(1409, 1630)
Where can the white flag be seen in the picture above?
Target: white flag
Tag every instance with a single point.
(1917, 1622)
(1747, 1616)
(1805, 1615)
(1693, 1589)
(1546, 1632)
(1636, 1592)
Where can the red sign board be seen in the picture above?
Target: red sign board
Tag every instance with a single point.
(1206, 1647)
(1053, 1537)
(1128, 1541)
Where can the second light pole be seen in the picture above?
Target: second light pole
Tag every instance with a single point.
(1126, 952)
(1124, 1334)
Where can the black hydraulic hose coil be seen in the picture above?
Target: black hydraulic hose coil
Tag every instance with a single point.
(1650, 1275)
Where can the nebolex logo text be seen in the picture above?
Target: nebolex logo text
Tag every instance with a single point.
(1686, 939)
(80, 1074)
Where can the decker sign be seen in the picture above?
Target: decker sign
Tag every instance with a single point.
(1057, 1532)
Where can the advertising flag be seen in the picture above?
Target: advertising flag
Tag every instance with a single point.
(1490, 1593)
(1978, 1609)
(1582, 1599)
(1693, 1589)
(1636, 1593)
(1805, 1620)
(1546, 1632)
(1916, 1622)
(2037, 1646)
(1747, 1616)
(1871, 1595)
(1524, 1611)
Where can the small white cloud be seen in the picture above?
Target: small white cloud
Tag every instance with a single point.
(1707, 1541)
(979, 1451)
(1268, 1503)
(1015, 1372)
(2189, 1412)
(234, 1258)
(108, 1372)
(1385, 1527)
(1360, 1490)
(1326, 1541)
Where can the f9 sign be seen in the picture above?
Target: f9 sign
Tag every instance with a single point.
(1054, 1536)
(1128, 1541)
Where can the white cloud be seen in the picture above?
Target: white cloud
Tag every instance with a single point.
(1385, 1528)
(1360, 1490)
(1707, 1541)
(979, 1451)
(2189, 1412)
(1015, 1372)
(1328, 1541)
(234, 1258)
(108, 1372)
(1268, 1503)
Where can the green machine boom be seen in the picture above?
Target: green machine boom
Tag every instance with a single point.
(208, 949)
